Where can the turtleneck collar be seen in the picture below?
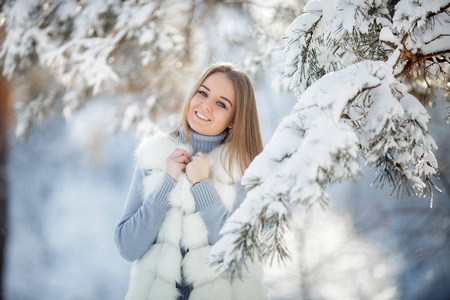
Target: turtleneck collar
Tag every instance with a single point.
(204, 143)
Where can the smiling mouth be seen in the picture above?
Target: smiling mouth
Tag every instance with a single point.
(202, 116)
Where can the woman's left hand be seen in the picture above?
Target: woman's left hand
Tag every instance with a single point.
(198, 168)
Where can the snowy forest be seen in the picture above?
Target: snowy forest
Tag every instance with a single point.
(349, 198)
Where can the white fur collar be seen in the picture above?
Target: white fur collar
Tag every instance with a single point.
(153, 151)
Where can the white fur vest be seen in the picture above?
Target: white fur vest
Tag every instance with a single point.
(154, 275)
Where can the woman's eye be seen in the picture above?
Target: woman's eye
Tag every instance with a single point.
(221, 104)
(203, 93)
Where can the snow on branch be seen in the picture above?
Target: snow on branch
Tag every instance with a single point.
(93, 47)
(330, 35)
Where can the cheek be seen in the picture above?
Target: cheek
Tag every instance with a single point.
(227, 118)
(232, 116)
(195, 101)
(191, 104)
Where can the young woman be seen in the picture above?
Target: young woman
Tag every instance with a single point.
(185, 186)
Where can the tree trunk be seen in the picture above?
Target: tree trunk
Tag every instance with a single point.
(4, 120)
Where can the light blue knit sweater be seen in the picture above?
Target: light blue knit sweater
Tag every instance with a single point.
(141, 218)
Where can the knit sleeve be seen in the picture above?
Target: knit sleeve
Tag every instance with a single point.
(213, 212)
(141, 219)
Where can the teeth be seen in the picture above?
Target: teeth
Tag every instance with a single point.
(202, 116)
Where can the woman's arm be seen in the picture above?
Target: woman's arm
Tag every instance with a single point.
(213, 212)
(141, 220)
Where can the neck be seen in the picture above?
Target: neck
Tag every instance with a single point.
(204, 143)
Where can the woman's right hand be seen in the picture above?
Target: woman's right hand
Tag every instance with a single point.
(176, 163)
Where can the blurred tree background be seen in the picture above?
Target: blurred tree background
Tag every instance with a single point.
(87, 78)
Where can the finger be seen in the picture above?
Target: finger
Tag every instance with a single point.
(174, 152)
(196, 158)
(200, 153)
(180, 152)
(178, 158)
(203, 157)
(181, 159)
(183, 152)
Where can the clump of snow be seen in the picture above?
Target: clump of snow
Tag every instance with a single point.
(387, 35)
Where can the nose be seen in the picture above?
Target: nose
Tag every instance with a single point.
(207, 104)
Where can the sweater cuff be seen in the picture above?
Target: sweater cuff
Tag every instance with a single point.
(205, 195)
(162, 192)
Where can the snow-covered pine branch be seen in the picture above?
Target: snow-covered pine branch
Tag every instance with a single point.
(409, 36)
(93, 47)
(331, 35)
(352, 98)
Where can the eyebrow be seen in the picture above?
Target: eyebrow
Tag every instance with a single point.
(219, 96)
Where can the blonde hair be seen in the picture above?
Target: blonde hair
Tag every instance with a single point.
(244, 140)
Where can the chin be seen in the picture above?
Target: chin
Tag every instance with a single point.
(202, 131)
(196, 129)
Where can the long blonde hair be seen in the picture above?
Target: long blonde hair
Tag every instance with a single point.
(244, 140)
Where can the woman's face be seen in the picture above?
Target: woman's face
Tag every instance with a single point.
(212, 107)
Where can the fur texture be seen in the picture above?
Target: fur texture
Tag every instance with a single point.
(155, 274)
